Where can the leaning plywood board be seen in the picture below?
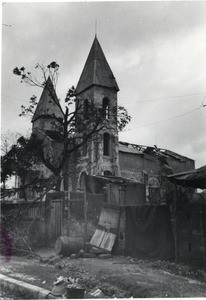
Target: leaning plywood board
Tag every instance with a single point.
(108, 241)
(97, 238)
(103, 238)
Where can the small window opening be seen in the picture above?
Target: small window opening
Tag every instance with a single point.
(85, 107)
(189, 247)
(106, 144)
(107, 173)
(84, 149)
(105, 108)
(121, 237)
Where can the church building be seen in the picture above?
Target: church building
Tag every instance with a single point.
(104, 154)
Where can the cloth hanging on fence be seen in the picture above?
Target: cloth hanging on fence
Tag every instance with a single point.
(149, 232)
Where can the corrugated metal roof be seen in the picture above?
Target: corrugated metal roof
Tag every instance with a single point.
(194, 178)
(96, 70)
(47, 105)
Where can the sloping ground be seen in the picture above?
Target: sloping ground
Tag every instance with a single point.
(116, 277)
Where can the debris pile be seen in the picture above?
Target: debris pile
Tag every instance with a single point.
(91, 252)
(67, 288)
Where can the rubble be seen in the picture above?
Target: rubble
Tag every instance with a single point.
(97, 293)
(105, 256)
(68, 288)
(55, 259)
(59, 286)
(95, 250)
(45, 259)
(88, 255)
(79, 253)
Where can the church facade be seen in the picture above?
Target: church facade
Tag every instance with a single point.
(104, 154)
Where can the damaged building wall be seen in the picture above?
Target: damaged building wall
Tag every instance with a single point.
(133, 164)
(150, 165)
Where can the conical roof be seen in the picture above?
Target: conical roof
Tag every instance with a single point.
(96, 70)
(48, 103)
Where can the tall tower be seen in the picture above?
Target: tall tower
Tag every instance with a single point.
(97, 85)
(47, 111)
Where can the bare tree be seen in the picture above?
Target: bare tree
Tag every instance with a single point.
(70, 130)
(73, 130)
(8, 138)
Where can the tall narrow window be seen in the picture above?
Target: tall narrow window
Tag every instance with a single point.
(105, 106)
(84, 149)
(85, 107)
(106, 144)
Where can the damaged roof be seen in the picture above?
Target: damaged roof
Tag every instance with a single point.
(124, 147)
(194, 178)
(141, 150)
(96, 70)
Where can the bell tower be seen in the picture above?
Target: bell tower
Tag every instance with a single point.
(97, 86)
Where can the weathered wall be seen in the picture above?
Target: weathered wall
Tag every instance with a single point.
(94, 162)
(132, 165)
(74, 221)
(191, 234)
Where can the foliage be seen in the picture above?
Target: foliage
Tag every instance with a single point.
(123, 117)
(15, 238)
(69, 132)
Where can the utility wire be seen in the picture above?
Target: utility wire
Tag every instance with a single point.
(167, 98)
(143, 101)
(172, 118)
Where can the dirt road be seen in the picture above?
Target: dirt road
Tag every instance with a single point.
(116, 277)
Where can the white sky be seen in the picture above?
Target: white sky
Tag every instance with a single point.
(156, 50)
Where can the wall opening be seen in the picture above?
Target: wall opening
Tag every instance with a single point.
(82, 180)
(84, 149)
(106, 144)
(107, 173)
(105, 106)
(86, 108)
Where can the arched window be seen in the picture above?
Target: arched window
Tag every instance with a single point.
(82, 180)
(105, 106)
(107, 173)
(106, 144)
(84, 149)
(85, 107)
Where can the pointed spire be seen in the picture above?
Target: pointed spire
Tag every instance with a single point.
(96, 70)
(48, 103)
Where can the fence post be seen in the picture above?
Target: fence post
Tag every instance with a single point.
(204, 233)
(176, 227)
(85, 208)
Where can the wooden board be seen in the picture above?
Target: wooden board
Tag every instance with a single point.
(97, 238)
(108, 240)
(109, 220)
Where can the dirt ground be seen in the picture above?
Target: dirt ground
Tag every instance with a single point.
(120, 277)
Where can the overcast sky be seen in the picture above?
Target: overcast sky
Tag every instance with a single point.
(156, 50)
